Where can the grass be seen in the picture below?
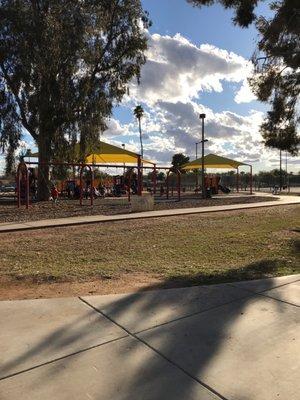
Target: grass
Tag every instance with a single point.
(198, 248)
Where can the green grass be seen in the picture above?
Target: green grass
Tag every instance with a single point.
(195, 248)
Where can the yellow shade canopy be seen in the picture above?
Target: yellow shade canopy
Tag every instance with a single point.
(105, 153)
(213, 161)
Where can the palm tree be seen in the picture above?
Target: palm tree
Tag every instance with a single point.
(139, 112)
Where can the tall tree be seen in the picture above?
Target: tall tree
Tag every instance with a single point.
(139, 112)
(276, 79)
(63, 64)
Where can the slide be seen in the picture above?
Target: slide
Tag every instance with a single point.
(224, 189)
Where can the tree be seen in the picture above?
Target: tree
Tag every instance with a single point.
(139, 112)
(63, 64)
(276, 79)
(161, 176)
(178, 160)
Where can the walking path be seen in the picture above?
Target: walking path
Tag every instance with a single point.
(92, 219)
(231, 341)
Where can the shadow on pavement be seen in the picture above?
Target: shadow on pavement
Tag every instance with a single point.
(165, 339)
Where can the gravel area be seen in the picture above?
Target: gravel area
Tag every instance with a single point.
(71, 208)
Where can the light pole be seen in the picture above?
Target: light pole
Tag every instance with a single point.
(202, 117)
(197, 170)
(205, 140)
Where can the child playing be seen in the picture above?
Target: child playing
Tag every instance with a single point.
(54, 194)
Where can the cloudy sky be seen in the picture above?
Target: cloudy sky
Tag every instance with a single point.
(198, 61)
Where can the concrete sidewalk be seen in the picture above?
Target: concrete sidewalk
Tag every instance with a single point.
(231, 341)
(82, 220)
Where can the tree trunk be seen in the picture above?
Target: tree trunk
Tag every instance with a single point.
(43, 183)
(141, 139)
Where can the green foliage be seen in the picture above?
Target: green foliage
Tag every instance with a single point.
(138, 113)
(276, 79)
(98, 174)
(243, 9)
(63, 64)
(178, 160)
(160, 176)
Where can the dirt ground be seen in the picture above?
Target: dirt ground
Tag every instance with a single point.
(71, 208)
(11, 290)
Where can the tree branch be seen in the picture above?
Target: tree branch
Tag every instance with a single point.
(18, 101)
(109, 40)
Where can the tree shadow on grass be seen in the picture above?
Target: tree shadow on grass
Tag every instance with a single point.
(296, 245)
(261, 269)
(179, 335)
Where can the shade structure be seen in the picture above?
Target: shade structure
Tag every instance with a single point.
(213, 161)
(106, 153)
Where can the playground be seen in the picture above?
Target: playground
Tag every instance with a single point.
(112, 180)
(117, 256)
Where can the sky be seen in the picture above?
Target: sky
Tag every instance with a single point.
(197, 62)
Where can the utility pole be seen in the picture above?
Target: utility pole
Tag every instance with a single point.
(202, 117)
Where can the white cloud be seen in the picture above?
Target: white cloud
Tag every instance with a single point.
(176, 73)
(114, 128)
(244, 94)
(178, 70)
(178, 128)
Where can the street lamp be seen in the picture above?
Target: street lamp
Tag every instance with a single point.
(205, 140)
(202, 117)
(196, 169)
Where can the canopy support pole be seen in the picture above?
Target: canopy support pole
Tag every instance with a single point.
(140, 176)
(129, 184)
(154, 179)
(92, 184)
(179, 185)
(178, 173)
(237, 179)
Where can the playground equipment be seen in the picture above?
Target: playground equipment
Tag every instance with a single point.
(91, 193)
(23, 184)
(178, 173)
(214, 161)
(129, 183)
(102, 155)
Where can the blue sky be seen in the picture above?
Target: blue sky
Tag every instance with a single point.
(198, 61)
(211, 25)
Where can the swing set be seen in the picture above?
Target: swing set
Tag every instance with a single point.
(23, 179)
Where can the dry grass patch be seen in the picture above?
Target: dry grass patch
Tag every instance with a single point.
(192, 249)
